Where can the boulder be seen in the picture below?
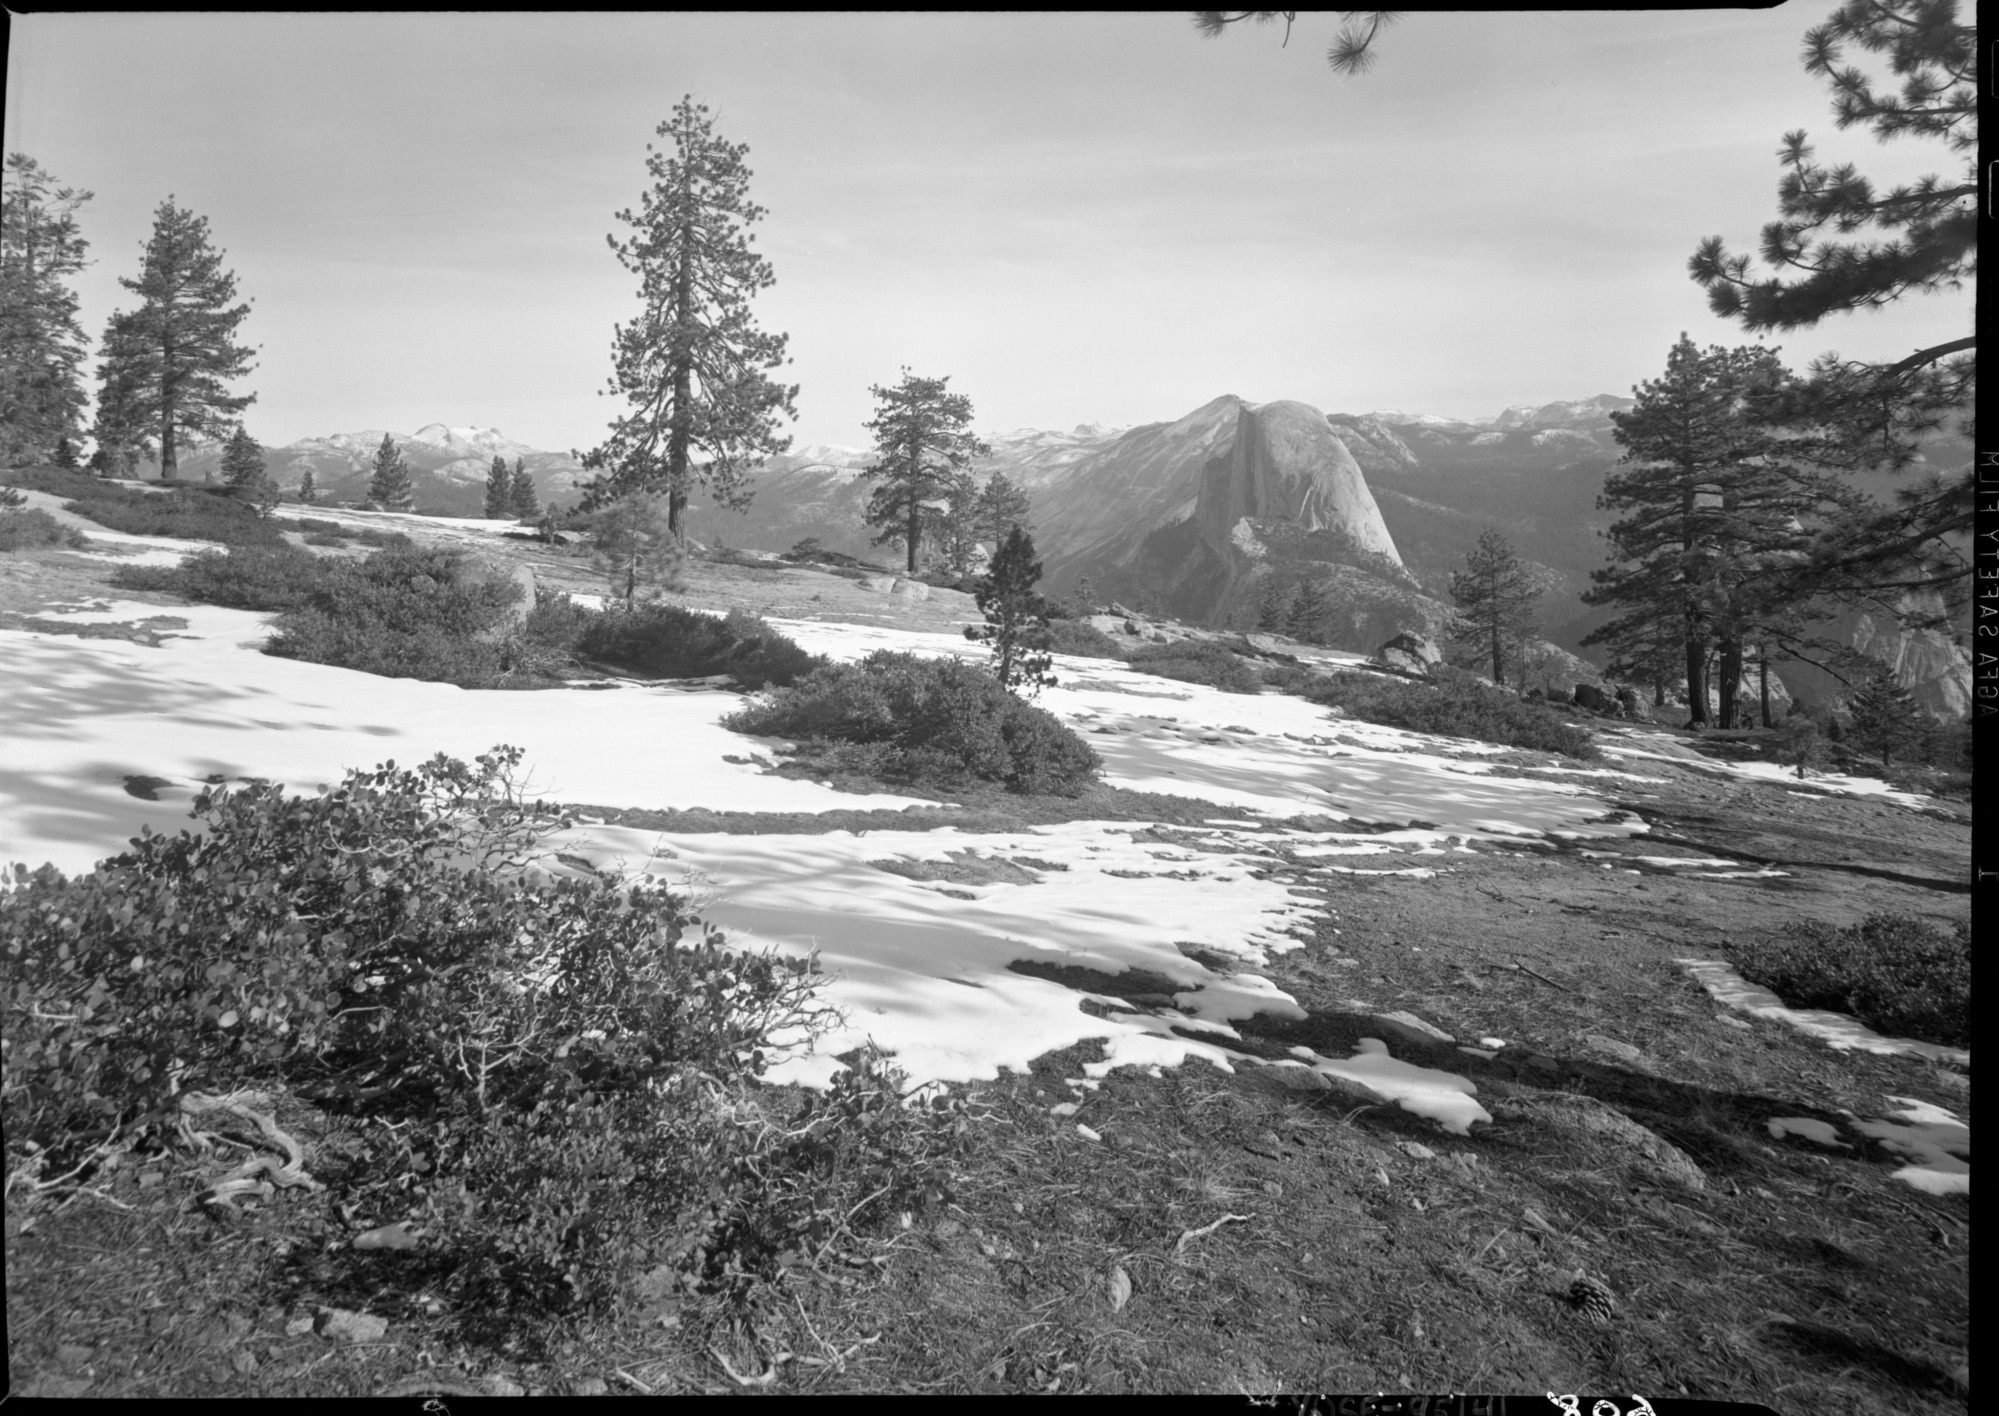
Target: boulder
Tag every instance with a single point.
(1599, 1132)
(907, 589)
(1410, 653)
(1631, 706)
(1589, 696)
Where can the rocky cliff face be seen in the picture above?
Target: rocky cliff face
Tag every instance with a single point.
(1284, 465)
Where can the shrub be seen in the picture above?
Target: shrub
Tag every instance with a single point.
(1454, 705)
(1900, 974)
(26, 530)
(1082, 639)
(402, 613)
(571, 1066)
(1198, 661)
(938, 721)
(671, 641)
(189, 513)
(324, 538)
(267, 578)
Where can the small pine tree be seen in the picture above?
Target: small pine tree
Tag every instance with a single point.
(308, 491)
(1305, 620)
(499, 491)
(244, 473)
(1884, 713)
(636, 550)
(1273, 607)
(960, 526)
(526, 505)
(65, 454)
(1803, 744)
(1086, 596)
(1002, 506)
(1016, 616)
(390, 487)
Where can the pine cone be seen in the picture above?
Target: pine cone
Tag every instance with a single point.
(1592, 1299)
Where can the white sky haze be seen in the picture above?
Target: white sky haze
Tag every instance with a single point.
(1077, 217)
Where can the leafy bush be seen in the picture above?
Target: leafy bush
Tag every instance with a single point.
(190, 513)
(571, 1065)
(938, 721)
(1455, 705)
(266, 578)
(1198, 661)
(25, 530)
(1083, 639)
(671, 641)
(1900, 974)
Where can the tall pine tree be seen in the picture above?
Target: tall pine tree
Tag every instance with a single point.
(1711, 504)
(1885, 715)
(173, 355)
(389, 486)
(499, 491)
(694, 366)
(307, 492)
(922, 443)
(524, 501)
(1497, 598)
(1002, 506)
(42, 346)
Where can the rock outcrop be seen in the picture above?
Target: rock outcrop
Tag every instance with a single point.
(1286, 465)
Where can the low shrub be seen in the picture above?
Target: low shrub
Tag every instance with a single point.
(59, 482)
(266, 578)
(401, 613)
(188, 513)
(324, 538)
(1455, 705)
(569, 1068)
(34, 528)
(1902, 975)
(314, 525)
(942, 722)
(671, 641)
(1198, 661)
(1083, 639)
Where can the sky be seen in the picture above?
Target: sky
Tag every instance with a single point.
(1074, 217)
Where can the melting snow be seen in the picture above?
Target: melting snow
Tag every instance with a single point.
(1442, 1096)
(1938, 1143)
(1834, 1029)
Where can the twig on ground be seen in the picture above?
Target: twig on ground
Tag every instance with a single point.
(1207, 1229)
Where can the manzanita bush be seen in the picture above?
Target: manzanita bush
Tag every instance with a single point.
(579, 1057)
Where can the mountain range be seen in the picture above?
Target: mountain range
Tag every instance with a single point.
(1197, 516)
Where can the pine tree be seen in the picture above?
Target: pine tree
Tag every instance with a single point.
(1273, 609)
(1713, 507)
(635, 548)
(120, 427)
(1497, 598)
(173, 354)
(499, 491)
(390, 487)
(1305, 620)
(694, 366)
(1830, 226)
(243, 470)
(65, 454)
(921, 444)
(1884, 713)
(42, 346)
(307, 491)
(1016, 616)
(1002, 506)
(525, 503)
(958, 527)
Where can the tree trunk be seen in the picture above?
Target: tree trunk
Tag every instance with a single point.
(1763, 681)
(1498, 659)
(683, 377)
(169, 459)
(1696, 676)
(1731, 680)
